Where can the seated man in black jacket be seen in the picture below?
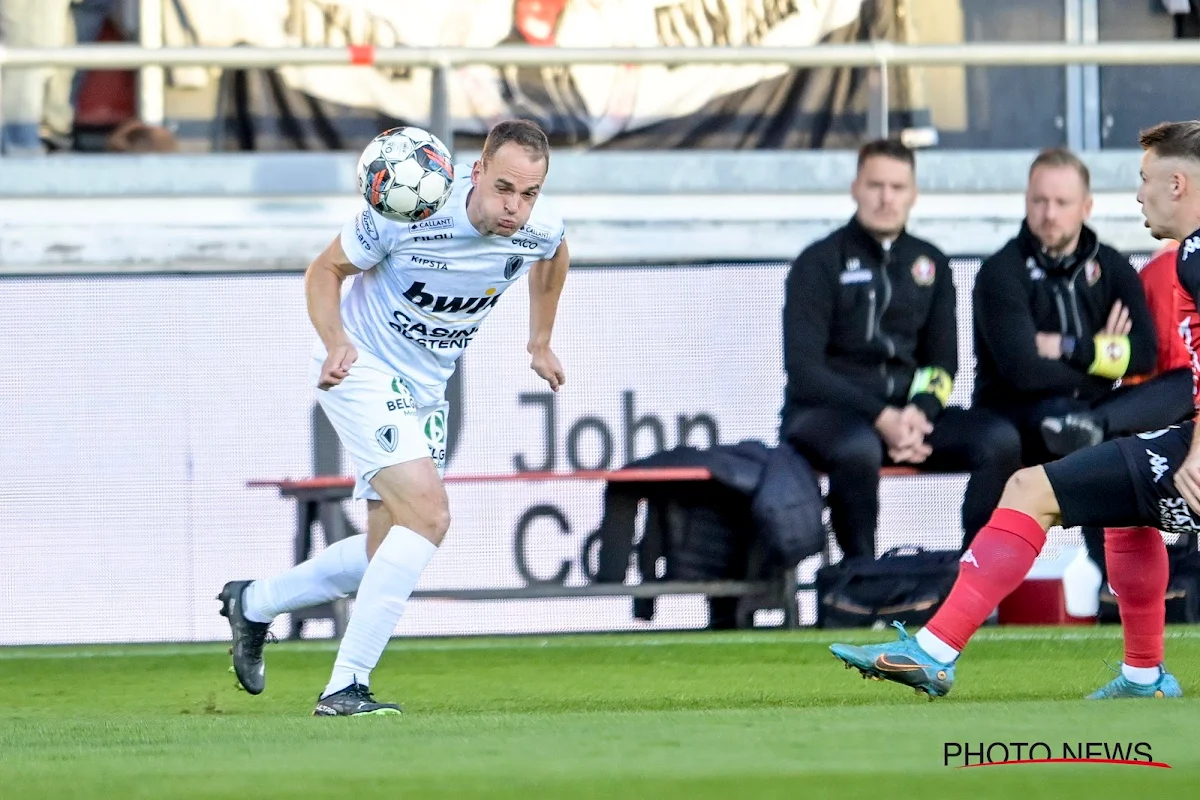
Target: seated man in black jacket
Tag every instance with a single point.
(870, 343)
(1059, 318)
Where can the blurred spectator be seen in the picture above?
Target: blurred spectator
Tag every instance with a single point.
(135, 136)
(29, 99)
(870, 343)
(89, 17)
(1186, 16)
(1059, 318)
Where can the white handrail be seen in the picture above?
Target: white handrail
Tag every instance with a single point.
(873, 54)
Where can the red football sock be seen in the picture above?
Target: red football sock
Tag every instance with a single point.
(997, 561)
(1138, 572)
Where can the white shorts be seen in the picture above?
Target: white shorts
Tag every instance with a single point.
(378, 421)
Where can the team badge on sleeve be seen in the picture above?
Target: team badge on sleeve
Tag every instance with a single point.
(924, 271)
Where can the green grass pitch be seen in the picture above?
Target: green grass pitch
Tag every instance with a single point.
(702, 715)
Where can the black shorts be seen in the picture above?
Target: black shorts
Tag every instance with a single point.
(1126, 482)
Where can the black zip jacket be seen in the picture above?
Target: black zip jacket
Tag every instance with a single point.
(859, 322)
(1021, 292)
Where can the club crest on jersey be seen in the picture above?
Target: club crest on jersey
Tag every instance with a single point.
(513, 266)
(924, 271)
(1092, 272)
(388, 437)
(431, 224)
(440, 304)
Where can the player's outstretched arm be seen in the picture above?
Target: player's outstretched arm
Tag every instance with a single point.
(546, 281)
(323, 291)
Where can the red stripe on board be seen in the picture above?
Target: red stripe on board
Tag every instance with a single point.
(1159, 764)
(362, 54)
(627, 474)
(623, 474)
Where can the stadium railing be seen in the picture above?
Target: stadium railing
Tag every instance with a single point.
(319, 499)
(878, 56)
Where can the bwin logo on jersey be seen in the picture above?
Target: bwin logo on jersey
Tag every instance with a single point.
(438, 304)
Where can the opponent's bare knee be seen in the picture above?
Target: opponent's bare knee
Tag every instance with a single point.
(1029, 491)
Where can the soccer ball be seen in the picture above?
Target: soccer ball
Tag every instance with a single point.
(405, 174)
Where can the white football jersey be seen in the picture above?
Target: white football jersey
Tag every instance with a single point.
(428, 285)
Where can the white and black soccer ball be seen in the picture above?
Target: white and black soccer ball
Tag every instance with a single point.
(405, 174)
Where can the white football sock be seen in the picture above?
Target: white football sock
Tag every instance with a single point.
(389, 580)
(936, 647)
(333, 573)
(1146, 676)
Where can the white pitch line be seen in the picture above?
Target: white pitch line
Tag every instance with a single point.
(525, 643)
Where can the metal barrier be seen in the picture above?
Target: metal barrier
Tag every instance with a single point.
(879, 56)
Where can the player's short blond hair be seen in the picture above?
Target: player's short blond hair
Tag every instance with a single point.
(518, 131)
(1173, 140)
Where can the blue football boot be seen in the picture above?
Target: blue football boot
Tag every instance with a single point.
(1121, 687)
(902, 661)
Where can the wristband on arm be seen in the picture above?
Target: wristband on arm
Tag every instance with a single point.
(1112, 356)
(935, 381)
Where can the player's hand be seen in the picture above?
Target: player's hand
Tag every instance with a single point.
(916, 450)
(1049, 345)
(548, 367)
(903, 439)
(915, 418)
(1187, 481)
(1118, 323)
(337, 365)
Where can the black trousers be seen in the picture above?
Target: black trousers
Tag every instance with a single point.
(1153, 405)
(847, 447)
(1149, 406)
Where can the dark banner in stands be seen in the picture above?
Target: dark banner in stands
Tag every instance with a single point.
(610, 106)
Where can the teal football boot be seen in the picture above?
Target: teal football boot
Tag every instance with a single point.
(902, 661)
(1121, 687)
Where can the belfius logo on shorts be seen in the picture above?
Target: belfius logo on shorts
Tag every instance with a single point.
(435, 427)
(405, 402)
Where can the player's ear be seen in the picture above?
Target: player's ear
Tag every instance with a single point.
(1087, 206)
(1185, 181)
(476, 172)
